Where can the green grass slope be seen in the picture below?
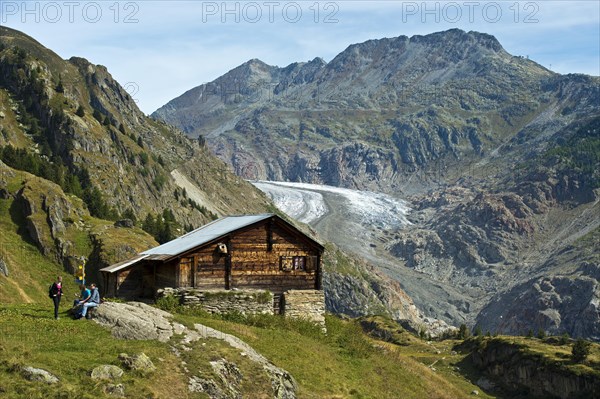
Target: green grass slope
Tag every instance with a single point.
(45, 232)
(345, 363)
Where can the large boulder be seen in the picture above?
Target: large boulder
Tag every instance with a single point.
(135, 320)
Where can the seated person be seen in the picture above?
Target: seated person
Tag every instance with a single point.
(78, 303)
(93, 301)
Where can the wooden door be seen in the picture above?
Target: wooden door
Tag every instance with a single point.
(186, 270)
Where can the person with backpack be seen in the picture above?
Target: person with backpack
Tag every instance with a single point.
(93, 302)
(55, 292)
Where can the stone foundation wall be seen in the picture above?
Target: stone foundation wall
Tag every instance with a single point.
(300, 304)
(224, 301)
(306, 304)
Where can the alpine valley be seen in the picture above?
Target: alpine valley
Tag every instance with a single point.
(450, 183)
(497, 158)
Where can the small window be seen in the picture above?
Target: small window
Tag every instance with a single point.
(289, 263)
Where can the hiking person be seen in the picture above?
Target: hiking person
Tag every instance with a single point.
(55, 293)
(93, 302)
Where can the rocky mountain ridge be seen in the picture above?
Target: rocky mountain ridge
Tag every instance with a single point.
(497, 155)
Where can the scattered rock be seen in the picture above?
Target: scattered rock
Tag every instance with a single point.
(118, 390)
(139, 362)
(106, 372)
(34, 374)
(474, 392)
(3, 267)
(4, 194)
(198, 384)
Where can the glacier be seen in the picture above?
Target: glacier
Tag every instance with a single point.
(309, 203)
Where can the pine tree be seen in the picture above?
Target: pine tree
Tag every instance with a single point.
(580, 351)
(80, 111)
(149, 225)
(541, 333)
(129, 214)
(463, 332)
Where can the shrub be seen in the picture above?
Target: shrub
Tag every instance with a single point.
(541, 334)
(168, 303)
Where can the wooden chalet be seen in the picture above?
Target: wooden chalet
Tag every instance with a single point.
(244, 252)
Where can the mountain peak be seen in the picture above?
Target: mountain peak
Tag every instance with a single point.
(457, 37)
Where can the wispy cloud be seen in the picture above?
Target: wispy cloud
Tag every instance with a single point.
(167, 47)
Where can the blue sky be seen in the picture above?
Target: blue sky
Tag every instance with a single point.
(159, 49)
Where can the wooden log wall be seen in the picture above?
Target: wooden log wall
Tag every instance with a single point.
(210, 268)
(254, 266)
(253, 260)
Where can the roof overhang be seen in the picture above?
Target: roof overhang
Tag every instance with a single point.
(124, 264)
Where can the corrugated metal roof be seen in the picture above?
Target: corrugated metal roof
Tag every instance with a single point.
(205, 234)
(121, 265)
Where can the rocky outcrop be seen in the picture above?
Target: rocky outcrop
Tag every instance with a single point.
(355, 288)
(135, 320)
(554, 304)
(230, 378)
(284, 385)
(519, 371)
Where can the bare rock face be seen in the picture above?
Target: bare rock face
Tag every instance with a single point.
(553, 304)
(517, 371)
